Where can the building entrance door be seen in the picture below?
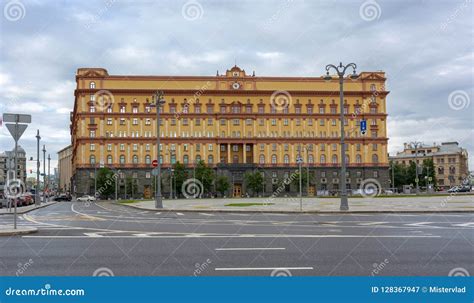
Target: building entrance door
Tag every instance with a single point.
(311, 191)
(237, 191)
(147, 192)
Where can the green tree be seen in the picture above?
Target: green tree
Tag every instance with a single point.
(428, 171)
(180, 175)
(106, 183)
(205, 175)
(222, 185)
(254, 181)
(304, 179)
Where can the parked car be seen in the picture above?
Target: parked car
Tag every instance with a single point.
(459, 189)
(63, 197)
(86, 198)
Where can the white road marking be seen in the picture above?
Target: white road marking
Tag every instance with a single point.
(204, 214)
(261, 268)
(93, 235)
(470, 224)
(371, 223)
(174, 236)
(158, 213)
(422, 224)
(180, 214)
(85, 215)
(249, 248)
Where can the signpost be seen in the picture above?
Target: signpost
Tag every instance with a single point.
(154, 163)
(16, 130)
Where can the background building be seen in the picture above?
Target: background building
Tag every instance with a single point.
(235, 122)
(7, 161)
(450, 161)
(64, 169)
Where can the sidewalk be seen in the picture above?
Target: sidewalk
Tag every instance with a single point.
(7, 230)
(24, 209)
(453, 203)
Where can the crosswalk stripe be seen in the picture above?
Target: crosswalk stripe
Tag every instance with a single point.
(180, 214)
(371, 223)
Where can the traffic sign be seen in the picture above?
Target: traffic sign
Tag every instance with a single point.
(16, 118)
(154, 163)
(416, 180)
(363, 126)
(430, 179)
(154, 171)
(16, 130)
(299, 160)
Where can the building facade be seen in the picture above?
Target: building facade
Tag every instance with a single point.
(449, 159)
(7, 164)
(234, 122)
(64, 169)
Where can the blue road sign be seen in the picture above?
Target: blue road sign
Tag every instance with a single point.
(363, 126)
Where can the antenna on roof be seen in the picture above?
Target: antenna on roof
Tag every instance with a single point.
(235, 62)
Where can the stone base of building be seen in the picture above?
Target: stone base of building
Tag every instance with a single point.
(278, 181)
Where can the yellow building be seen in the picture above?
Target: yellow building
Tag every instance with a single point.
(65, 169)
(235, 122)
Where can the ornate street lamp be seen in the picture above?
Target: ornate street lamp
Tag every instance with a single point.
(341, 70)
(158, 101)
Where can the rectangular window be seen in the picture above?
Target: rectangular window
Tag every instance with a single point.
(210, 121)
(109, 121)
(135, 110)
(274, 147)
(310, 122)
(261, 110)
(197, 122)
(261, 122)
(235, 148)
(122, 109)
(374, 146)
(262, 147)
(92, 134)
(109, 147)
(122, 121)
(248, 122)
(222, 121)
(92, 147)
(298, 110)
(135, 147)
(198, 147)
(135, 121)
(321, 122)
(334, 147)
(147, 147)
(309, 110)
(210, 109)
(210, 147)
(321, 110)
(236, 122)
(122, 147)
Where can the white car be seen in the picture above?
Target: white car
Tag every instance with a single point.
(86, 198)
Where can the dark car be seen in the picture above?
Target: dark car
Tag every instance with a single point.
(459, 189)
(63, 197)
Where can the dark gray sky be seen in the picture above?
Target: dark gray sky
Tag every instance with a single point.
(425, 48)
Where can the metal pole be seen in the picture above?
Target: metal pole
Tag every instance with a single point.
(342, 179)
(116, 185)
(49, 167)
(416, 168)
(393, 176)
(15, 175)
(158, 199)
(307, 171)
(301, 191)
(44, 173)
(95, 179)
(171, 183)
(38, 165)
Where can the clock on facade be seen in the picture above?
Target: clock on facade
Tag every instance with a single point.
(235, 85)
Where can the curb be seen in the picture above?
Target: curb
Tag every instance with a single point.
(22, 231)
(22, 211)
(299, 212)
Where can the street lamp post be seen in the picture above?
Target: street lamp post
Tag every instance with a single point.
(158, 101)
(38, 166)
(306, 147)
(341, 70)
(300, 160)
(415, 145)
(49, 167)
(44, 173)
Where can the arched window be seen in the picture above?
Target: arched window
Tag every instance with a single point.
(92, 159)
(262, 159)
(310, 159)
(323, 159)
(286, 159)
(135, 159)
(274, 159)
(440, 170)
(147, 159)
(358, 159)
(122, 159)
(173, 159)
(334, 159)
(161, 159)
(92, 84)
(198, 158)
(210, 159)
(185, 159)
(109, 159)
(347, 159)
(375, 158)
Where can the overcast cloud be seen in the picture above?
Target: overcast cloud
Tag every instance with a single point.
(425, 48)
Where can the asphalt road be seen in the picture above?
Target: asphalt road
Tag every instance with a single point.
(103, 238)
